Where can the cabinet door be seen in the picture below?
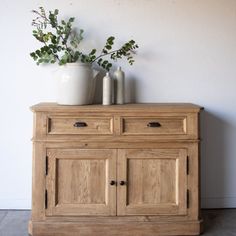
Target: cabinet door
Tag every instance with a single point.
(78, 182)
(155, 182)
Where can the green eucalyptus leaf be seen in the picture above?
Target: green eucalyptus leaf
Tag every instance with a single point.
(111, 39)
(92, 52)
(99, 61)
(108, 47)
(104, 62)
(40, 60)
(71, 19)
(108, 66)
(32, 54)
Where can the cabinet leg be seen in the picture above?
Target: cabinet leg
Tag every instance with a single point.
(30, 228)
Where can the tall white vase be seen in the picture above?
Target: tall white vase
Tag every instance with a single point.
(107, 90)
(75, 84)
(119, 77)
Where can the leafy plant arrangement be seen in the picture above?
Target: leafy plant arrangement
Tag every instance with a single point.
(61, 44)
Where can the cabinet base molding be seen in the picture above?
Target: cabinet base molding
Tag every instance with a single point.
(114, 229)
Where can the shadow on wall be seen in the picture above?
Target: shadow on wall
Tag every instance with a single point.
(98, 89)
(130, 89)
(213, 161)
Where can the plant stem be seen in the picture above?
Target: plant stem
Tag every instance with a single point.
(63, 40)
(105, 54)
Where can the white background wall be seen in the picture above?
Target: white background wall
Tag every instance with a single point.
(187, 54)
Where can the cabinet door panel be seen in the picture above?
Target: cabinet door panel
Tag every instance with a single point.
(156, 182)
(78, 182)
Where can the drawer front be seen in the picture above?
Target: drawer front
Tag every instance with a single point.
(80, 125)
(155, 125)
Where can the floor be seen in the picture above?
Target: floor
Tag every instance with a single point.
(216, 222)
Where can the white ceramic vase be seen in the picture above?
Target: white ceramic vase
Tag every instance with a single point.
(107, 92)
(75, 84)
(119, 77)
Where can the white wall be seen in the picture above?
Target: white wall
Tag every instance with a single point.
(187, 54)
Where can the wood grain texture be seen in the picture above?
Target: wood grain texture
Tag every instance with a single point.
(133, 107)
(115, 145)
(124, 229)
(78, 182)
(156, 182)
(140, 125)
(94, 125)
(115, 126)
(38, 181)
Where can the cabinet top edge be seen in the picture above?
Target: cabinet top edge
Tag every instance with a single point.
(132, 107)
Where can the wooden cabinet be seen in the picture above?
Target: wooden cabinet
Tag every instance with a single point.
(115, 170)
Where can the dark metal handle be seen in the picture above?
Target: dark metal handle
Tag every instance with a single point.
(122, 182)
(80, 124)
(153, 124)
(112, 182)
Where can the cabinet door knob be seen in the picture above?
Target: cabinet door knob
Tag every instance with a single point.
(80, 124)
(112, 182)
(153, 124)
(122, 182)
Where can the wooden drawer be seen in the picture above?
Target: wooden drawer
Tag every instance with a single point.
(79, 125)
(159, 125)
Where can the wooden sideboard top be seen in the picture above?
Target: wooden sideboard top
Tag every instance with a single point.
(138, 107)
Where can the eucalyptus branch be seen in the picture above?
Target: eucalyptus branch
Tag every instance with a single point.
(48, 22)
(125, 51)
(65, 41)
(105, 54)
(62, 45)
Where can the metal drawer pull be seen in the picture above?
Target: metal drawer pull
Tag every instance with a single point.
(154, 124)
(80, 124)
(122, 182)
(112, 182)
